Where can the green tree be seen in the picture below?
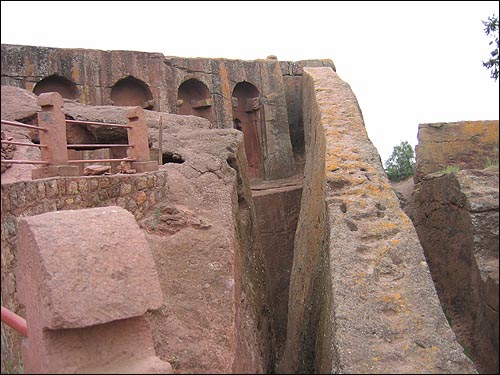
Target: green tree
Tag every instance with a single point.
(491, 30)
(401, 164)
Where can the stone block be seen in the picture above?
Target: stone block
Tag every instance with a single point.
(50, 99)
(80, 268)
(203, 103)
(134, 112)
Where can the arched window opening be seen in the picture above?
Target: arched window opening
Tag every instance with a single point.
(248, 119)
(56, 83)
(131, 91)
(194, 99)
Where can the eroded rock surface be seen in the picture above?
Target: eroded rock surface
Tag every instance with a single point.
(361, 296)
(465, 144)
(456, 217)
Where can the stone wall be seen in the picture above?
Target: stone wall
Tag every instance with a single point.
(93, 75)
(93, 72)
(361, 296)
(456, 218)
(221, 76)
(465, 144)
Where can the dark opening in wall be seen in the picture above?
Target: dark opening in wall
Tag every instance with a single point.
(131, 91)
(193, 98)
(171, 157)
(248, 119)
(237, 124)
(56, 83)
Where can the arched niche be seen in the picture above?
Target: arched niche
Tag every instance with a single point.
(248, 119)
(193, 98)
(130, 91)
(56, 83)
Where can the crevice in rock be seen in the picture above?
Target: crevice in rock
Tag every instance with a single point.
(172, 157)
(277, 210)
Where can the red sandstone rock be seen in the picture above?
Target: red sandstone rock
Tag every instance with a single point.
(80, 291)
(86, 299)
(361, 297)
(456, 218)
(464, 144)
(93, 170)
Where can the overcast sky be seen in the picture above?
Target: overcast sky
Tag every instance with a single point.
(407, 62)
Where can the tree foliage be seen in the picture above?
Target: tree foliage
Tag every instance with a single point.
(401, 164)
(491, 30)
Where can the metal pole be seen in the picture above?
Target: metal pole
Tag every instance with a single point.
(15, 321)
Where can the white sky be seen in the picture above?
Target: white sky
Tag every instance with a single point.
(407, 62)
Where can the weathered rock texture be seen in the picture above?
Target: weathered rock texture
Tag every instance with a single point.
(277, 210)
(55, 251)
(215, 316)
(361, 296)
(154, 81)
(466, 144)
(456, 217)
(211, 265)
(86, 294)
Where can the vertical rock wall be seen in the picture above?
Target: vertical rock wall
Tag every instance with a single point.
(292, 76)
(361, 296)
(456, 217)
(221, 76)
(277, 212)
(94, 72)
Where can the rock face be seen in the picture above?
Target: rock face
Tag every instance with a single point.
(361, 297)
(215, 315)
(456, 217)
(224, 91)
(466, 144)
(277, 211)
(342, 287)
